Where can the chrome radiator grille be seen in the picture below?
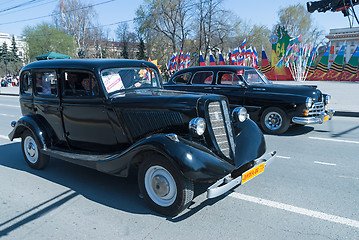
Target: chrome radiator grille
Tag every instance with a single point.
(316, 109)
(221, 127)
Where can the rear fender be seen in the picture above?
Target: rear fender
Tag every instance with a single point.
(34, 125)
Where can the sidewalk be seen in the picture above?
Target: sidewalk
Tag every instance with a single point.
(345, 95)
(11, 91)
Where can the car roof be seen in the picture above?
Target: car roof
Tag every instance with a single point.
(212, 68)
(91, 64)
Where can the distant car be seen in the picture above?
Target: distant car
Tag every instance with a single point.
(273, 106)
(111, 115)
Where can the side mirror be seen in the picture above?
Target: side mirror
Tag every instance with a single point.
(240, 83)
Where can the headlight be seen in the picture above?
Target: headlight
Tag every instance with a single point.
(309, 102)
(327, 99)
(239, 114)
(197, 126)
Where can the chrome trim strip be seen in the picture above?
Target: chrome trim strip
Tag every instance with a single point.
(313, 120)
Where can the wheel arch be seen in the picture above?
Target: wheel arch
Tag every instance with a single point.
(194, 163)
(35, 126)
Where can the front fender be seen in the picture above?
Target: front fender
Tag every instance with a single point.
(250, 142)
(194, 161)
(31, 123)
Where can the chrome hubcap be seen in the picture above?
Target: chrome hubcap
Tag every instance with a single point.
(30, 149)
(160, 186)
(273, 120)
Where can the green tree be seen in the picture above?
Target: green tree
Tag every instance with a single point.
(13, 52)
(164, 25)
(77, 19)
(297, 20)
(45, 38)
(256, 36)
(141, 54)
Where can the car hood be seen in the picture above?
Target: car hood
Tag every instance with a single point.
(146, 111)
(156, 99)
(300, 90)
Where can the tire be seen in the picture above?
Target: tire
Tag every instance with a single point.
(274, 121)
(163, 187)
(30, 149)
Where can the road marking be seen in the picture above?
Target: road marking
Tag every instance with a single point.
(9, 105)
(283, 157)
(335, 140)
(6, 115)
(347, 177)
(325, 163)
(299, 210)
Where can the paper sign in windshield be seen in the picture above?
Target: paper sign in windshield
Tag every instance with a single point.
(113, 83)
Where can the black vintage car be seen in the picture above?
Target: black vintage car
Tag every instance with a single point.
(273, 106)
(112, 115)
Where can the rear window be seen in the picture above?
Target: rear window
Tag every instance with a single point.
(202, 78)
(26, 83)
(182, 79)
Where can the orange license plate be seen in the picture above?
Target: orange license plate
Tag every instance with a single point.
(252, 173)
(326, 118)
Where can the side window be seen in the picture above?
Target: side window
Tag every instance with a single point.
(202, 78)
(46, 83)
(182, 79)
(229, 78)
(26, 83)
(252, 77)
(80, 84)
(225, 78)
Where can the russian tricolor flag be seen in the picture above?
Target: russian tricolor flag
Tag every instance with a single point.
(243, 44)
(221, 59)
(201, 60)
(212, 62)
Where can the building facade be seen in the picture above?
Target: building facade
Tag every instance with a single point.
(338, 36)
(20, 43)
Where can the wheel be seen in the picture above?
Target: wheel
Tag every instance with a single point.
(33, 157)
(163, 186)
(274, 121)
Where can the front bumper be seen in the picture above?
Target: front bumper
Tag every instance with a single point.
(324, 116)
(226, 183)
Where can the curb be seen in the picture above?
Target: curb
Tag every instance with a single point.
(9, 94)
(346, 114)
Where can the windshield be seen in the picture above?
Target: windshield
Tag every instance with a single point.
(253, 76)
(117, 79)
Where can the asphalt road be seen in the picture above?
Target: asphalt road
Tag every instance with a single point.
(311, 191)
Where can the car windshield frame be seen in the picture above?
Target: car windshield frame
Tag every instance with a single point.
(119, 79)
(262, 79)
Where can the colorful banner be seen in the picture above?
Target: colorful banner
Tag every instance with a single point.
(336, 67)
(350, 68)
(322, 67)
(280, 42)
